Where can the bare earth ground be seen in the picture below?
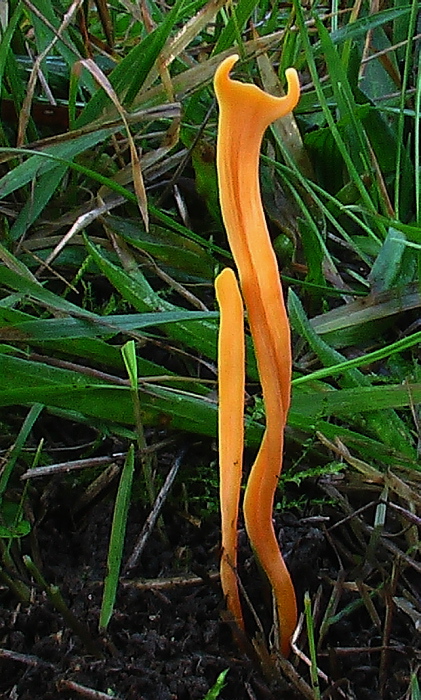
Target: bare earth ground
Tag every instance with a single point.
(167, 641)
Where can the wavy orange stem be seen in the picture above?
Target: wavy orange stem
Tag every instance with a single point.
(245, 113)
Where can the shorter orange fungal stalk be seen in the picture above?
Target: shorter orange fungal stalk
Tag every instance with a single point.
(231, 380)
(245, 112)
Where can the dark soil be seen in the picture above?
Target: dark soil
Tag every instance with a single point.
(167, 639)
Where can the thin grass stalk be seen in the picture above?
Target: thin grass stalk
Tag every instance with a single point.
(401, 120)
(118, 531)
(324, 104)
(417, 144)
(29, 422)
(312, 646)
(129, 356)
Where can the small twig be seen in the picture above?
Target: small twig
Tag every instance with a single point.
(81, 223)
(250, 691)
(332, 605)
(179, 288)
(251, 607)
(364, 592)
(96, 487)
(153, 515)
(28, 251)
(65, 467)
(35, 72)
(353, 515)
(27, 659)
(168, 583)
(56, 31)
(393, 549)
(65, 684)
(289, 671)
(41, 77)
(389, 592)
(411, 517)
(368, 529)
(301, 655)
(346, 651)
(82, 369)
(389, 49)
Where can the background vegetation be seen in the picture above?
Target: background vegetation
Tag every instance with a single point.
(111, 237)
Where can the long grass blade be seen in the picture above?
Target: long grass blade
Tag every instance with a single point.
(118, 532)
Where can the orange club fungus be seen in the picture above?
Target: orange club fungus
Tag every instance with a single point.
(245, 112)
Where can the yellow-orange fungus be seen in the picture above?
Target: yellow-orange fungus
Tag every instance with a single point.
(231, 376)
(245, 112)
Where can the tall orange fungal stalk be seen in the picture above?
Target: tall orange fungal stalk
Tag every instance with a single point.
(245, 112)
(231, 373)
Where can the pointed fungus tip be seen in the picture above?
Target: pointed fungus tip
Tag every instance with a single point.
(225, 68)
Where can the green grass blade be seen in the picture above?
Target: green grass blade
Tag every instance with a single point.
(353, 132)
(15, 278)
(188, 260)
(25, 382)
(401, 120)
(112, 405)
(387, 266)
(312, 646)
(118, 531)
(96, 326)
(129, 75)
(96, 351)
(417, 169)
(200, 335)
(7, 37)
(327, 355)
(415, 688)
(19, 176)
(41, 162)
(368, 358)
(128, 352)
(46, 23)
(16, 450)
(346, 403)
(214, 692)
(129, 356)
(41, 194)
(358, 29)
(342, 146)
(17, 89)
(387, 426)
(241, 12)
